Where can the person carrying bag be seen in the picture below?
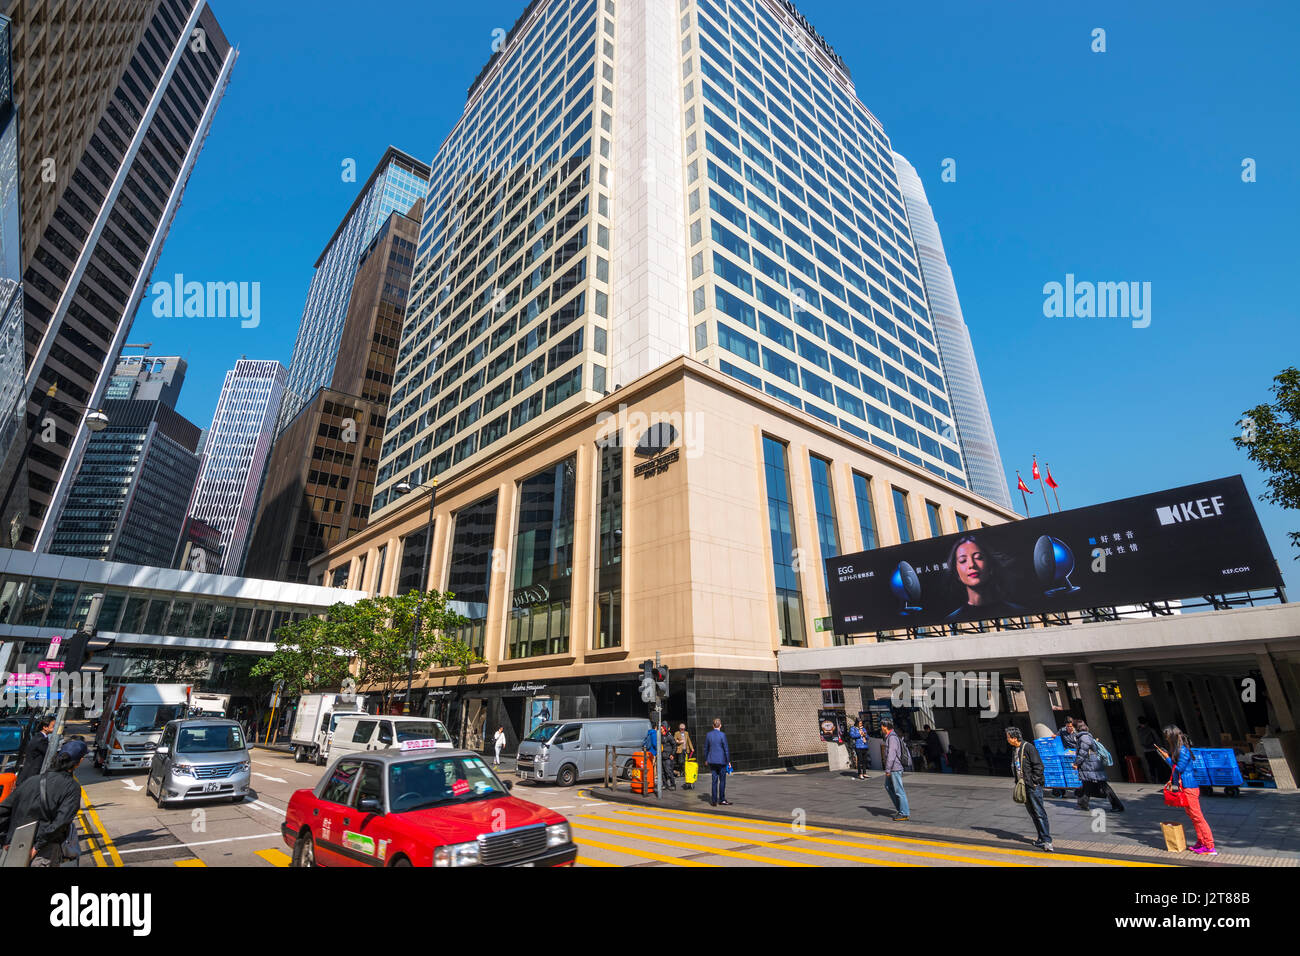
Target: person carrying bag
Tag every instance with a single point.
(1184, 787)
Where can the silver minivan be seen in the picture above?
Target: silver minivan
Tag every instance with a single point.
(201, 758)
(354, 733)
(566, 751)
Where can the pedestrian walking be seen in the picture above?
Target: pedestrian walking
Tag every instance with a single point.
(861, 747)
(683, 748)
(897, 758)
(1149, 741)
(1184, 787)
(1028, 768)
(666, 762)
(51, 800)
(717, 754)
(933, 749)
(1092, 770)
(498, 744)
(36, 750)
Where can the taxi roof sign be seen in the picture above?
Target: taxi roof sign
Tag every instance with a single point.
(426, 743)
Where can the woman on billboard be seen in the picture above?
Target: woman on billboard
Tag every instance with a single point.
(982, 575)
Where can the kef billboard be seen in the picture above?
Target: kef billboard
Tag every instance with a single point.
(1197, 540)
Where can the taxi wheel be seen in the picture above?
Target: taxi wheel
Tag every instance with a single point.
(567, 776)
(304, 851)
(401, 861)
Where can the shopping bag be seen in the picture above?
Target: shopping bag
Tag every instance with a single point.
(692, 771)
(1175, 837)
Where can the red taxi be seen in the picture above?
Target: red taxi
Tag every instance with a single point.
(421, 807)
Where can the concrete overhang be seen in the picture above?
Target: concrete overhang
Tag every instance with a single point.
(1202, 640)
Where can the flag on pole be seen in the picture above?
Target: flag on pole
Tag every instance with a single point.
(1051, 483)
(1036, 475)
(1023, 489)
(1039, 478)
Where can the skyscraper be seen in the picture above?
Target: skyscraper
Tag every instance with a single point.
(118, 197)
(602, 207)
(127, 500)
(235, 454)
(395, 184)
(970, 409)
(321, 476)
(12, 352)
(148, 377)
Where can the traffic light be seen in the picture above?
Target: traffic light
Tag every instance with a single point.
(647, 681)
(82, 646)
(660, 674)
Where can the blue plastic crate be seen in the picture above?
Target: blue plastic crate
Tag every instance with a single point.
(1059, 772)
(1217, 767)
(1049, 745)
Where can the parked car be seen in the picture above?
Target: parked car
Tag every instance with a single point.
(566, 751)
(200, 758)
(421, 807)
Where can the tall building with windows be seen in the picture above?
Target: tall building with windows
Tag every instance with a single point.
(12, 352)
(148, 377)
(970, 409)
(396, 184)
(236, 452)
(667, 350)
(119, 191)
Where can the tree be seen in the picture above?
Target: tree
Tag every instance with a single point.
(306, 657)
(1271, 439)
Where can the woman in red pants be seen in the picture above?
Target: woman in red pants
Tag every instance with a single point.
(1179, 758)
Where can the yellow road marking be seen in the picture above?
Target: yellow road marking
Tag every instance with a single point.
(591, 861)
(107, 841)
(644, 854)
(873, 837)
(699, 847)
(875, 860)
(90, 834)
(274, 857)
(194, 862)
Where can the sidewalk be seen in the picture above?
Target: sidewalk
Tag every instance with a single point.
(1257, 828)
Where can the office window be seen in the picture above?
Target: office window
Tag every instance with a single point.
(824, 503)
(900, 513)
(789, 604)
(539, 601)
(609, 570)
(961, 521)
(469, 576)
(866, 511)
(936, 526)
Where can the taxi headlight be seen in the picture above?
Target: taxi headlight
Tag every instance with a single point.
(558, 834)
(456, 854)
(183, 769)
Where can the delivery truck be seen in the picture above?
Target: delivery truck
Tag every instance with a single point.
(133, 722)
(209, 705)
(313, 724)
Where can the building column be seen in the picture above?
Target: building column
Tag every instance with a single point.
(1209, 711)
(1128, 695)
(1276, 696)
(1228, 697)
(1166, 713)
(1094, 710)
(1041, 718)
(1191, 724)
(1286, 673)
(837, 754)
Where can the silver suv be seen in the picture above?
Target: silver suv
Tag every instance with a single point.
(201, 758)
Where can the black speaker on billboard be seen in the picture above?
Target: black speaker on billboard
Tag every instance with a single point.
(1054, 563)
(906, 587)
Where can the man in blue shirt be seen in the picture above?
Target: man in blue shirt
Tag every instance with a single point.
(717, 754)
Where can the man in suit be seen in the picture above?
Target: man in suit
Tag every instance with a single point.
(717, 754)
(34, 755)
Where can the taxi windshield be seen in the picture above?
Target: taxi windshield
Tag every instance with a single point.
(422, 730)
(440, 781)
(543, 733)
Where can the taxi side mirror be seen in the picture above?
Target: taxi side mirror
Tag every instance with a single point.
(370, 805)
(510, 784)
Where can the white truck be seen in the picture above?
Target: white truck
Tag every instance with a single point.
(133, 721)
(210, 705)
(313, 724)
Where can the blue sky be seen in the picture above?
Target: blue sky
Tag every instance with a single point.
(1117, 166)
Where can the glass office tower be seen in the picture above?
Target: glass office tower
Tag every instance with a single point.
(397, 183)
(970, 408)
(634, 181)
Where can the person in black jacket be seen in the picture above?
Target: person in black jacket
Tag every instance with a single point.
(53, 811)
(1027, 765)
(1092, 770)
(34, 755)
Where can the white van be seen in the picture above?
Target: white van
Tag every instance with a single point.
(354, 733)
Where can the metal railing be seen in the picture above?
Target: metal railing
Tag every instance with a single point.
(619, 761)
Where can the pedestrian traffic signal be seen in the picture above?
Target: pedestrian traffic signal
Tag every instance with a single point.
(647, 687)
(661, 681)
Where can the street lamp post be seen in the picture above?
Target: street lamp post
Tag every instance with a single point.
(405, 488)
(96, 421)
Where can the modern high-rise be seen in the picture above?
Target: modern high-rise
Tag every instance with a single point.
(321, 476)
(12, 351)
(970, 409)
(632, 183)
(395, 184)
(119, 192)
(148, 377)
(235, 454)
(127, 501)
(667, 352)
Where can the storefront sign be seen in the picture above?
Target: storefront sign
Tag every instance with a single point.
(526, 688)
(533, 594)
(657, 465)
(832, 725)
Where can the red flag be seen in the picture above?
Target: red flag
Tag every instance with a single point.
(1036, 475)
(1050, 483)
(1021, 486)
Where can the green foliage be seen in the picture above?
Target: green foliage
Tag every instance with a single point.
(1271, 439)
(375, 636)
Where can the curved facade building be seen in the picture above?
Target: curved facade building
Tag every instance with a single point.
(979, 446)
